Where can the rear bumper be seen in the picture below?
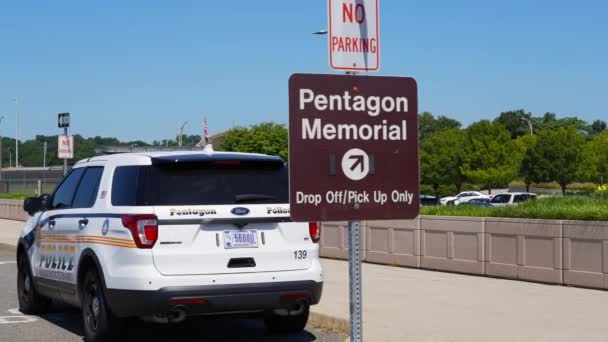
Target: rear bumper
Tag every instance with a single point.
(217, 298)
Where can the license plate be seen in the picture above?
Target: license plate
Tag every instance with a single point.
(240, 239)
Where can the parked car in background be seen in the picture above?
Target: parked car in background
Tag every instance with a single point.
(462, 197)
(479, 202)
(511, 198)
(427, 200)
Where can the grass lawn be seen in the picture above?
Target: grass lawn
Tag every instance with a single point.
(10, 195)
(557, 208)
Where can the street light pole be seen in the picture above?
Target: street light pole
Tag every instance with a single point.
(44, 156)
(1, 117)
(530, 126)
(181, 134)
(17, 134)
(65, 160)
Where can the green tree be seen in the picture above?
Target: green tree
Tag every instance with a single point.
(598, 126)
(441, 157)
(516, 122)
(429, 124)
(550, 122)
(191, 140)
(593, 165)
(530, 170)
(556, 156)
(101, 141)
(491, 157)
(31, 152)
(267, 138)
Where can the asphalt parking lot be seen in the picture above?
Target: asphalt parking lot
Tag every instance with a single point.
(63, 323)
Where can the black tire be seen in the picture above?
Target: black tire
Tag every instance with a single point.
(30, 301)
(98, 322)
(293, 322)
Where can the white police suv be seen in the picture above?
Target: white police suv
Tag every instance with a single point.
(167, 235)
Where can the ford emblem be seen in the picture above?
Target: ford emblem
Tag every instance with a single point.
(240, 211)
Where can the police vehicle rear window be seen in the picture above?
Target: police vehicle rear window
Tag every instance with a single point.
(199, 185)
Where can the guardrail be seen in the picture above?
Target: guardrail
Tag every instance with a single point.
(573, 253)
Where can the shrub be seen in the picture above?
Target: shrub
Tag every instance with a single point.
(556, 208)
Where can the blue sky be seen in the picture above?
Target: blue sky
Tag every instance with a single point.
(137, 69)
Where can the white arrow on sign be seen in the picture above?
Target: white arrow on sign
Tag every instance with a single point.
(355, 164)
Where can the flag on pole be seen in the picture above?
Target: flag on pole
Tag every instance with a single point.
(205, 138)
(205, 130)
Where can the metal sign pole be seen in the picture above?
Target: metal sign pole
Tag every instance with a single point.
(44, 156)
(65, 160)
(354, 274)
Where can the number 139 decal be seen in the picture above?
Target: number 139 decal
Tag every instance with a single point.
(300, 255)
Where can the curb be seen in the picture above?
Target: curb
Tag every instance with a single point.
(8, 247)
(326, 322)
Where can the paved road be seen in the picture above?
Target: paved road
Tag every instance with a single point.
(64, 323)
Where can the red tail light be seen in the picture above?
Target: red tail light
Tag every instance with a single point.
(144, 229)
(314, 228)
(188, 302)
(295, 296)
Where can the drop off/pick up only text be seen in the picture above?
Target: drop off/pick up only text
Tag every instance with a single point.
(346, 197)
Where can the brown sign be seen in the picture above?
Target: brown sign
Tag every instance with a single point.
(353, 147)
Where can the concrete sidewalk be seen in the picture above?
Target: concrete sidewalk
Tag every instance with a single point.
(403, 304)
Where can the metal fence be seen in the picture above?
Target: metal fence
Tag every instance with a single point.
(40, 180)
(30, 180)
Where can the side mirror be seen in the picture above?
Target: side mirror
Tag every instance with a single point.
(46, 202)
(32, 205)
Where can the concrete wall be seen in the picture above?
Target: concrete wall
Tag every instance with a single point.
(550, 251)
(454, 244)
(12, 210)
(393, 242)
(524, 249)
(586, 254)
(334, 240)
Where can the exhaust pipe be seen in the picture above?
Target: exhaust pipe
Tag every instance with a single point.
(176, 314)
(294, 310)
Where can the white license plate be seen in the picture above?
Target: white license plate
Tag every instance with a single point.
(240, 239)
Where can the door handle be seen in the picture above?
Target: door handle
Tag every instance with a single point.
(51, 224)
(83, 223)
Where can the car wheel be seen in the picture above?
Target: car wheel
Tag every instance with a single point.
(99, 323)
(30, 301)
(287, 321)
